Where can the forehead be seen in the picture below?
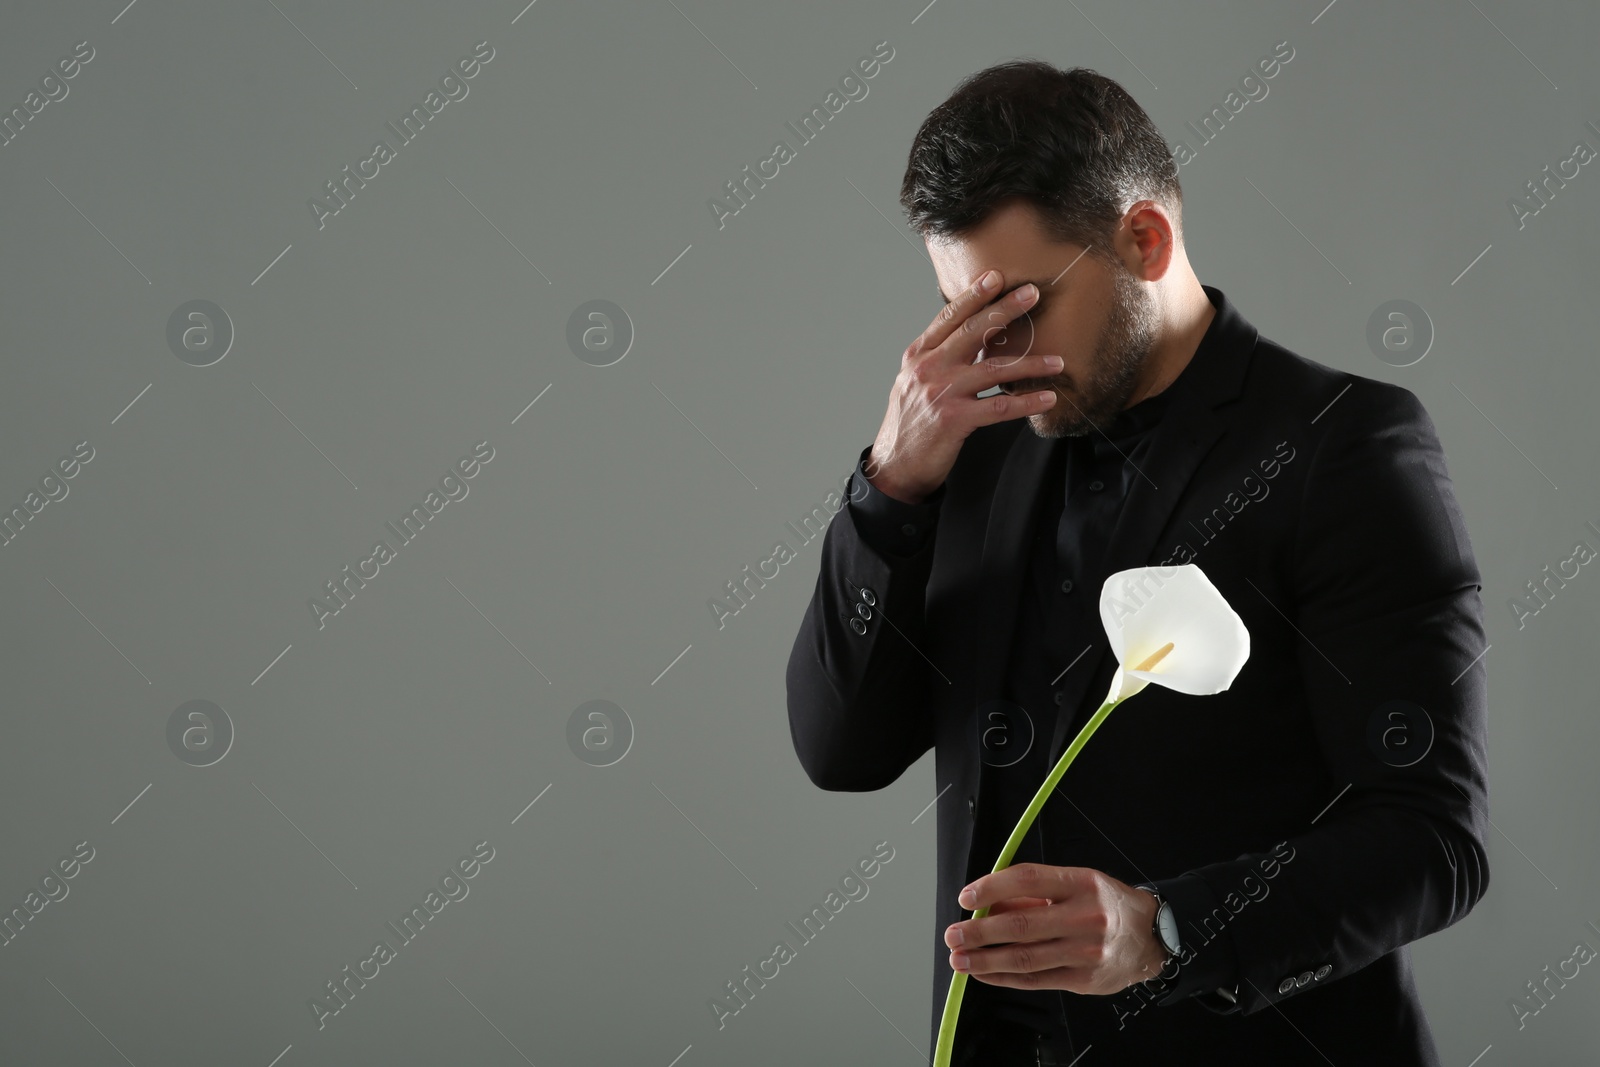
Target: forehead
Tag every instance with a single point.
(1011, 240)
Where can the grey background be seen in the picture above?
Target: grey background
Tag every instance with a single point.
(376, 751)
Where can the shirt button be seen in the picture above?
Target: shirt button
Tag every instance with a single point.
(1303, 979)
(1066, 585)
(859, 627)
(1286, 985)
(1096, 485)
(1060, 697)
(908, 529)
(1322, 972)
(868, 595)
(863, 611)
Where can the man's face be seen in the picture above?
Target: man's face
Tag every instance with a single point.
(1101, 321)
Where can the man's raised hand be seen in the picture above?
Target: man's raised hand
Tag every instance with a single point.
(934, 406)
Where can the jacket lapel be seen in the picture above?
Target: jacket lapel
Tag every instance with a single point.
(1013, 518)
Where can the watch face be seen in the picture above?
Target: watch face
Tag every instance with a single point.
(1168, 925)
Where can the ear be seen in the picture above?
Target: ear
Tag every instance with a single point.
(1147, 240)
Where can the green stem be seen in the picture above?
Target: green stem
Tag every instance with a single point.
(958, 980)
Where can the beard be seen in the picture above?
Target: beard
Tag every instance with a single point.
(1125, 341)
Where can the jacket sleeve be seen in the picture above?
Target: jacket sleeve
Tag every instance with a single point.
(1206, 971)
(1386, 604)
(857, 679)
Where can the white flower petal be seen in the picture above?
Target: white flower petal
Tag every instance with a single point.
(1144, 608)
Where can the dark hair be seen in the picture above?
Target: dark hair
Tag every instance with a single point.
(1072, 143)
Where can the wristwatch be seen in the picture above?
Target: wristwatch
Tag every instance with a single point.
(1165, 925)
(1165, 928)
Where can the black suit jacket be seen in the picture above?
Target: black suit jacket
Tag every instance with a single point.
(1334, 797)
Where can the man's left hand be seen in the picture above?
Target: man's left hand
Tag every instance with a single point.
(1069, 928)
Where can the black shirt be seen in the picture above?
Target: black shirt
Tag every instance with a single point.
(1058, 617)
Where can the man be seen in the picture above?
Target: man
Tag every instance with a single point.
(1223, 879)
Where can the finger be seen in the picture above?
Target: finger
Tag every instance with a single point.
(973, 933)
(1001, 907)
(1072, 979)
(1024, 879)
(1003, 406)
(1005, 925)
(962, 408)
(1005, 340)
(992, 371)
(1024, 957)
(953, 314)
(963, 343)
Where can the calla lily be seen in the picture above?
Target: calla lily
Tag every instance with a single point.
(1167, 625)
(1146, 608)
